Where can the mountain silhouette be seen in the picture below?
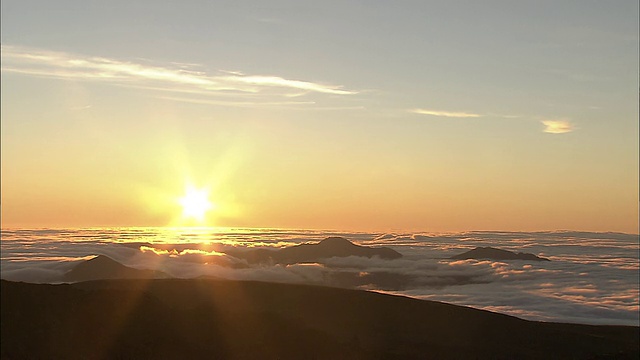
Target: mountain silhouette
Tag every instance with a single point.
(327, 248)
(208, 319)
(103, 267)
(496, 254)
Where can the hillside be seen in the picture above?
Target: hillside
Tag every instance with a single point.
(170, 318)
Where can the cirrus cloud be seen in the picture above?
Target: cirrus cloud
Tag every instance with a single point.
(45, 63)
(453, 114)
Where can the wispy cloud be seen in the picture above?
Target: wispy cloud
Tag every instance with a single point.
(237, 103)
(442, 113)
(552, 126)
(278, 81)
(36, 62)
(79, 108)
(557, 126)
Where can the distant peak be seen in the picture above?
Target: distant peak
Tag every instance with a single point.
(497, 254)
(335, 240)
(101, 258)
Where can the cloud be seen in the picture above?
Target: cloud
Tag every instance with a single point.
(460, 114)
(557, 126)
(79, 108)
(592, 278)
(249, 104)
(293, 84)
(445, 113)
(36, 62)
(175, 252)
(551, 126)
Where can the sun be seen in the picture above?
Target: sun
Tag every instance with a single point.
(195, 203)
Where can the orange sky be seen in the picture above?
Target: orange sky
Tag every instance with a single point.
(433, 126)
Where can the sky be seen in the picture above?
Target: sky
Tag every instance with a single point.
(408, 115)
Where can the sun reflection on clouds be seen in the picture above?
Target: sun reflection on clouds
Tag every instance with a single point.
(175, 252)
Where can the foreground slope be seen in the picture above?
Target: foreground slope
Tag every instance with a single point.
(171, 318)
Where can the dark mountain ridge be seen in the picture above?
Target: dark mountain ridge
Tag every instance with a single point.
(490, 253)
(327, 248)
(103, 267)
(192, 319)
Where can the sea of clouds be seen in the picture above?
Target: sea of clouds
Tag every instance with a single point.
(592, 278)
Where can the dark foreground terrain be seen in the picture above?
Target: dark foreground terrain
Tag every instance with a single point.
(211, 319)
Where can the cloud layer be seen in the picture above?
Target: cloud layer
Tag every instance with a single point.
(592, 278)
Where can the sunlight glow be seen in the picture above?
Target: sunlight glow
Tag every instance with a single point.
(195, 203)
